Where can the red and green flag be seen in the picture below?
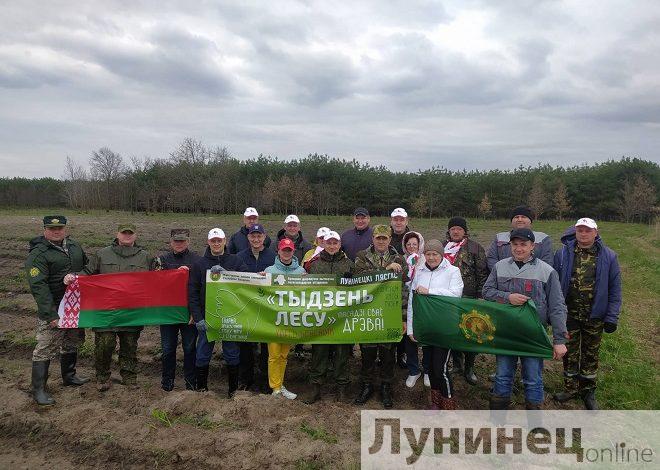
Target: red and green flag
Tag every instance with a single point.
(480, 326)
(126, 299)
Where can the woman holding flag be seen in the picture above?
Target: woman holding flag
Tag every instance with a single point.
(436, 277)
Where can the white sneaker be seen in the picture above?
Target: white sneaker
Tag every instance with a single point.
(287, 394)
(412, 380)
(427, 381)
(277, 393)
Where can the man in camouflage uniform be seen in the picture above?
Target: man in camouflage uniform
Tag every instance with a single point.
(379, 256)
(470, 257)
(53, 256)
(591, 282)
(124, 255)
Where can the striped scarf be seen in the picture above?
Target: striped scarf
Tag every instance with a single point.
(452, 249)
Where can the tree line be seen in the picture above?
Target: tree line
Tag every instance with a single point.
(196, 178)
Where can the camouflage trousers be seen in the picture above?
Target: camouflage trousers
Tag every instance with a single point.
(104, 346)
(581, 359)
(51, 340)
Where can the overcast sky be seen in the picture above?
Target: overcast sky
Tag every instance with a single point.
(408, 84)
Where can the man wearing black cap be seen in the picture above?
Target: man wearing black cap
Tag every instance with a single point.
(516, 280)
(179, 257)
(360, 236)
(53, 256)
(500, 248)
(470, 257)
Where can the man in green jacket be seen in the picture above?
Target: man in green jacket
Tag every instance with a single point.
(124, 255)
(380, 256)
(53, 256)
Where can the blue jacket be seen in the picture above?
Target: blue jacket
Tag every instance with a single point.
(173, 260)
(239, 241)
(354, 240)
(254, 265)
(197, 279)
(607, 289)
(279, 268)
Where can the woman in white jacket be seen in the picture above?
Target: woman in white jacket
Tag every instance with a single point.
(436, 276)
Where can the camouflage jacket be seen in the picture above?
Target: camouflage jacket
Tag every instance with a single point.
(471, 260)
(325, 263)
(583, 279)
(46, 266)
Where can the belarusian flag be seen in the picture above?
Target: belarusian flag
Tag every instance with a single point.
(479, 326)
(126, 299)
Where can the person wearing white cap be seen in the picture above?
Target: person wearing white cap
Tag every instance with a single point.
(399, 227)
(319, 243)
(216, 258)
(239, 240)
(331, 260)
(590, 280)
(291, 230)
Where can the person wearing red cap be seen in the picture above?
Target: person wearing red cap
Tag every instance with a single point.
(285, 263)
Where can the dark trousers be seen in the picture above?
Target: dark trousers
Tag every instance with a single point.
(439, 375)
(370, 352)
(321, 358)
(412, 357)
(247, 362)
(169, 338)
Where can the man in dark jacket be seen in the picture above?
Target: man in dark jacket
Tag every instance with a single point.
(292, 231)
(470, 257)
(257, 258)
(53, 256)
(591, 283)
(179, 257)
(500, 248)
(359, 237)
(239, 241)
(399, 228)
(380, 256)
(215, 258)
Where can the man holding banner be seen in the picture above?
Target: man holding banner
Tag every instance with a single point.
(518, 280)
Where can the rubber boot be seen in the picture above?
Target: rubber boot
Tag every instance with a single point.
(39, 379)
(468, 371)
(232, 380)
(589, 398)
(499, 403)
(68, 366)
(456, 363)
(533, 406)
(365, 393)
(342, 393)
(563, 397)
(435, 397)
(202, 378)
(447, 403)
(386, 396)
(167, 385)
(313, 395)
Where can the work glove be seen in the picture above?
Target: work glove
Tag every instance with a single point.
(609, 327)
(201, 326)
(217, 269)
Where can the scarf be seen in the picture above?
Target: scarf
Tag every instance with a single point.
(452, 249)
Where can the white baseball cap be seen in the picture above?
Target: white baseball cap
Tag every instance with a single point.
(292, 218)
(399, 212)
(322, 232)
(331, 234)
(250, 211)
(587, 222)
(216, 233)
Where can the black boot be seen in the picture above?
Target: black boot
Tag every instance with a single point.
(167, 384)
(365, 393)
(202, 378)
(499, 403)
(232, 380)
(313, 395)
(68, 366)
(468, 371)
(456, 362)
(589, 398)
(342, 393)
(39, 379)
(386, 396)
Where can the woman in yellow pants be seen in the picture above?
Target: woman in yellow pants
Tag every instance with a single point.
(285, 263)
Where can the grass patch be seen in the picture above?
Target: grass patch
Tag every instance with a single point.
(318, 433)
(16, 282)
(303, 464)
(15, 339)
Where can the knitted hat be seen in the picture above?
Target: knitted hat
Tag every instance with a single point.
(522, 210)
(434, 245)
(457, 222)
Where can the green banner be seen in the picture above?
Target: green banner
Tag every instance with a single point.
(318, 309)
(480, 326)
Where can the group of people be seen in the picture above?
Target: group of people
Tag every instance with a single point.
(576, 290)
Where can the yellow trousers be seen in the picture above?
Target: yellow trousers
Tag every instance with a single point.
(277, 354)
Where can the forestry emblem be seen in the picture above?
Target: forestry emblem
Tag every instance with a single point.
(477, 326)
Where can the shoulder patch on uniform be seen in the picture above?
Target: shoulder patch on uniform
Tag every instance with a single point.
(34, 272)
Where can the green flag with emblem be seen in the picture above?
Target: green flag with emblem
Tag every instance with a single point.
(480, 326)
